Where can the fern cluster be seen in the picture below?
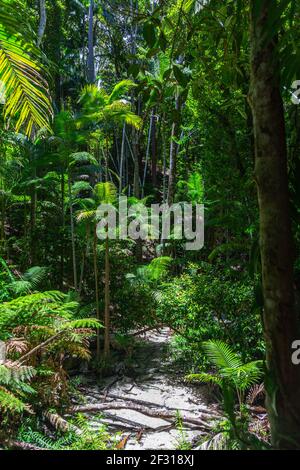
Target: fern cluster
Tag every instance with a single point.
(86, 438)
(40, 331)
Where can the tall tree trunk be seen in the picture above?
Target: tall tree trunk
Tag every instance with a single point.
(43, 21)
(281, 325)
(72, 234)
(136, 169)
(164, 156)
(122, 159)
(33, 204)
(153, 152)
(147, 152)
(96, 290)
(107, 301)
(62, 253)
(91, 59)
(3, 250)
(173, 154)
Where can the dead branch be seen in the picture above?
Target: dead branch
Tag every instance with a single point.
(154, 413)
(151, 404)
(40, 346)
(60, 423)
(21, 445)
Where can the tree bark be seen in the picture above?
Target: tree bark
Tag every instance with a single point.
(122, 159)
(281, 325)
(96, 289)
(107, 300)
(43, 21)
(153, 152)
(91, 59)
(173, 155)
(33, 204)
(72, 234)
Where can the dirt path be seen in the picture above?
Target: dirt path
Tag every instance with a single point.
(168, 413)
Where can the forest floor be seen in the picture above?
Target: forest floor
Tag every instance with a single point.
(150, 404)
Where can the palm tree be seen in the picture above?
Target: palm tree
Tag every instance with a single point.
(103, 193)
(101, 108)
(25, 90)
(232, 376)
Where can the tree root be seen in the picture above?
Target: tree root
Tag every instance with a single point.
(153, 413)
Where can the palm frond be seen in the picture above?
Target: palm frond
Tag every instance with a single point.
(245, 375)
(120, 90)
(221, 355)
(35, 275)
(25, 89)
(93, 97)
(205, 378)
(120, 112)
(105, 193)
(86, 215)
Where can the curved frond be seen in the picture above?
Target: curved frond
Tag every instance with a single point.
(120, 90)
(205, 378)
(221, 355)
(105, 193)
(120, 111)
(25, 90)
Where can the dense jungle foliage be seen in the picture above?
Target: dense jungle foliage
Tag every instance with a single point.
(161, 101)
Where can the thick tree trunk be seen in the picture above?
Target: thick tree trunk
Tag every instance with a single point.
(91, 59)
(281, 325)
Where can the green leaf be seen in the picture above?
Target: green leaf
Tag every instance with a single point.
(180, 76)
(149, 33)
(84, 323)
(221, 355)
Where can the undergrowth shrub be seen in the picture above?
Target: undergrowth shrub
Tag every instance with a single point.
(203, 304)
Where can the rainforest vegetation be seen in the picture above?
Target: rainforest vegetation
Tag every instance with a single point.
(164, 102)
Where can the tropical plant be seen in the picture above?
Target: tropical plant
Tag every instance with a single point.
(232, 377)
(23, 86)
(103, 193)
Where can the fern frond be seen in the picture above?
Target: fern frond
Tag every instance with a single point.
(82, 158)
(9, 402)
(84, 323)
(221, 355)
